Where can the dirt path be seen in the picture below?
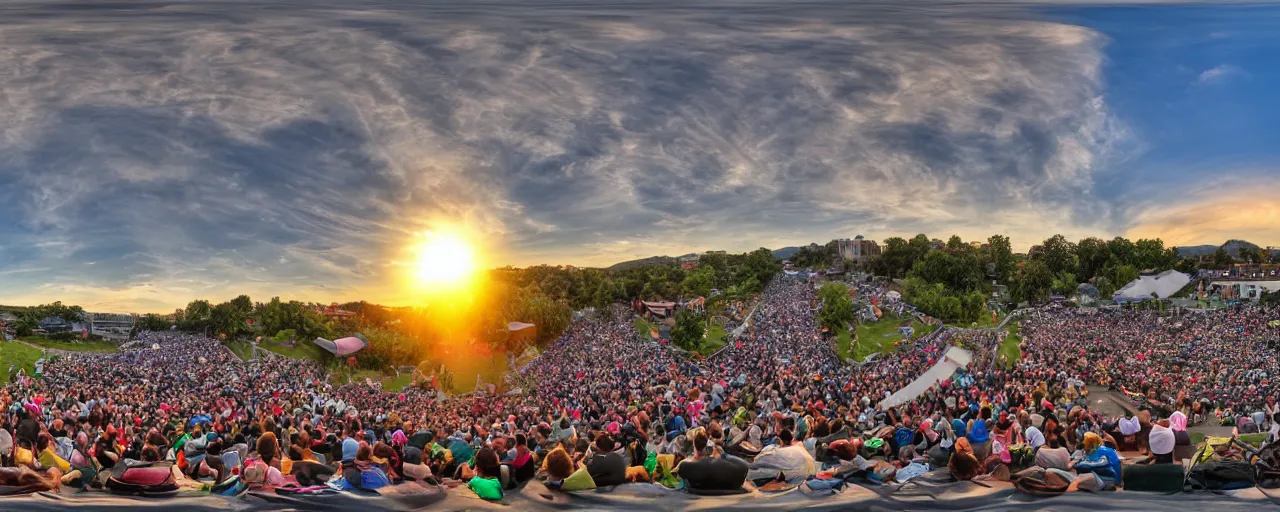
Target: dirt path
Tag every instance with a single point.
(51, 351)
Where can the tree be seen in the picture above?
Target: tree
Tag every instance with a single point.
(1221, 258)
(1059, 254)
(1064, 284)
(895, 259)
(1254, 255)
(1187, 266)
(956, 244)
(1001, 256)
(1121, 249)
(197, 315)
(1093, 255)
(699, 281)
(688, 331)
(1105, 287)
(1036, 282)
(837, 308)
(1121, 275)
(1150, 254)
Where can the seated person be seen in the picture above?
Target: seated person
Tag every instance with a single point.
(707, 474)
(559, 466)
(522, 466)
(1100, 468)
(485, 484)
(964, 464)
(1053, 456)
(606, 466)
(1161, 441)
(413, 467)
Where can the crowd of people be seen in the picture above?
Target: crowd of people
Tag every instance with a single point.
(604, 406)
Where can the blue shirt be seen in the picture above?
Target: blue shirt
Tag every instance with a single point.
(1103, 461)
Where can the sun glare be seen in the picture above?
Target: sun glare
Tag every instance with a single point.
(444, 260)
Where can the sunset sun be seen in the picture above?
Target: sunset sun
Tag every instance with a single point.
(444, 259)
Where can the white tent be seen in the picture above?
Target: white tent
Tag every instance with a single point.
(1163, 285)
(954, 359)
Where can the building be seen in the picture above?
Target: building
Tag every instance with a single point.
(335, 312)
(857, 249)
(110, 325)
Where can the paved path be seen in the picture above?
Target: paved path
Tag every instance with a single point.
(51, 351)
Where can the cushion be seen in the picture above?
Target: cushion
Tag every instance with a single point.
(580, 480)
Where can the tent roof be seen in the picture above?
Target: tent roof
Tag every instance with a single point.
(1163, 285)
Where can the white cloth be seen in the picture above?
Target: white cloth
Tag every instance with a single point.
(1130, 426)
(1162, 440)
(1035, 438)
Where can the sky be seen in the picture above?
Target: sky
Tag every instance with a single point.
(152, 153)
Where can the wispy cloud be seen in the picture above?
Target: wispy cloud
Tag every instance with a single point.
(192, 151)
(1219, 74)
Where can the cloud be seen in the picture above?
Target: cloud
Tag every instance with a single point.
(1212, 213)
(1219, 74)
(188, 150)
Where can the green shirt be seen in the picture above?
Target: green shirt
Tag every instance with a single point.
(486, 488)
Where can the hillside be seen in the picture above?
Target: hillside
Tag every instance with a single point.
(1232, 247)
(785, 252)
(653, 260)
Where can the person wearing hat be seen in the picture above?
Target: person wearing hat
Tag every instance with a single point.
(1162, 441)
(1100, 468)
(606, 466)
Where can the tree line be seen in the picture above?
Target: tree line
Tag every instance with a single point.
(953, 280)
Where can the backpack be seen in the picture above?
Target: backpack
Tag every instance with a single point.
(1269, 466)
(1224, 475)
(1038, 481)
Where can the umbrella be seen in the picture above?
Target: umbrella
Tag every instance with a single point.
(200, 419)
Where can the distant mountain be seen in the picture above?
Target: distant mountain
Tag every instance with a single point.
(654, 260)
(785, 252)
(1232, 247)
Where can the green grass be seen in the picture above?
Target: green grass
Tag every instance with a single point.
(241, 349)
(1253, 439)
(714, 340)
(985, 321)
(643, 327)
(397, 383)
(301, 350)
(74, 346)
(844, 341)
(19, 355)
(1009, 349)
(879, 337)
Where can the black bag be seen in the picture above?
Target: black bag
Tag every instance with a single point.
(1223, 475)
(1269, 466)
(1153, 478)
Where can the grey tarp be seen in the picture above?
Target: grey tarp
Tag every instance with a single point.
(932, 491)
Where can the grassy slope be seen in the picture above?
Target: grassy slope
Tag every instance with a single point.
(74, 346)
(19, 355)
(713, 341)
(1009, 349)
(300, 350)
(643, 327)
(878, 337)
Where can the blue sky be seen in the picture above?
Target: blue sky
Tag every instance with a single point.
(154, 153)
